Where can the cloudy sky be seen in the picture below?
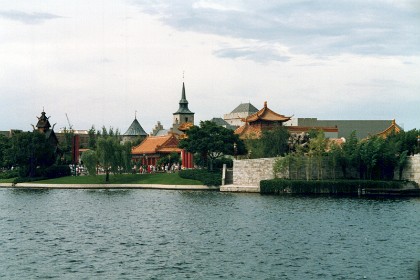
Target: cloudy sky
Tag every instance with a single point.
(99, 61)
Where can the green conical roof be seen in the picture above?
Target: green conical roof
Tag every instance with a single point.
(135, 129)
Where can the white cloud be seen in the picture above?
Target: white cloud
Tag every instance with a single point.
(27, 18)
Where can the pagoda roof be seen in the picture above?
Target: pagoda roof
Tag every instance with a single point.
(248, 131)
(157, 144)
(185, 126)
(255, 131)
(135, 129)
(266, 114)
(43, 121)
(393, 128)
(245, 108)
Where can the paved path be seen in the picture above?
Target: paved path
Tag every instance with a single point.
(106, 186)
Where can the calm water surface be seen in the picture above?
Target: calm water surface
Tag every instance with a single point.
(156, 234)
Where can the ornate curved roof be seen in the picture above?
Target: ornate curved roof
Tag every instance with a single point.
(135, 129)
(43, 122)
(157, 144)
(266, 114)
(393, 128)
(185, 126)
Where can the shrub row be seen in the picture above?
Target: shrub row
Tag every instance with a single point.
(51, 172)
(281, 186)
(56, 171)
(208, 178)
(9, 174)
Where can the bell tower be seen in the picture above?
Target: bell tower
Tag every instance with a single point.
(183, 115)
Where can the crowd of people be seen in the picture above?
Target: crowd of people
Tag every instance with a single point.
(80, 169)
(168, 168)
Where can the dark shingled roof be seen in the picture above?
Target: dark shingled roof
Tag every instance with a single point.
(245, 107)
(135, 129)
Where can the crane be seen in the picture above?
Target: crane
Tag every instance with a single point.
(68, 120)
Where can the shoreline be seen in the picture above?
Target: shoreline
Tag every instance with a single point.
(106, 186)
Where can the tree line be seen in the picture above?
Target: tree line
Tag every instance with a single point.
(373, 158)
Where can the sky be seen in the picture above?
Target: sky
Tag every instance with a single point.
(103, 62)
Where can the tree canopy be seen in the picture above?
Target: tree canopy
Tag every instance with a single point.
(29, 150)
(211, 141)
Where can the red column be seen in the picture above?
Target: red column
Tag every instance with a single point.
(191, 160)
(183, 159)
(187, 162)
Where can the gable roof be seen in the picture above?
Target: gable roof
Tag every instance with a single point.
(245, 108)
(157, 144)
(135, 129)
(266, 114)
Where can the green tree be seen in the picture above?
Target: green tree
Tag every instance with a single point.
(4, 146)
(107, 149)
(92, 138)
(275, 141)
(348, 158)
(90, 160)
(30, 150)
(317, 147)
(212, 141)
(67, 144)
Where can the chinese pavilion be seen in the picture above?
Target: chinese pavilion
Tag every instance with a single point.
(262, 120)
(153, 148)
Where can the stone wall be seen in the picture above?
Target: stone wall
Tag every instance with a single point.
(249, 172)
(412, 170)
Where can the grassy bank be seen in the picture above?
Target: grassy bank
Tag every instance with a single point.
(157, 178)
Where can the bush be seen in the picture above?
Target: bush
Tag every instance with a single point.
(281, 186)
(9, 174)
(56, 171)
(208, 178)
(218, 163)
(27, 179)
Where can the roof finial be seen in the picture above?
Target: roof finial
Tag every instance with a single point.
(183, 75)
(265, 104)
(43, 109)
(135, 114)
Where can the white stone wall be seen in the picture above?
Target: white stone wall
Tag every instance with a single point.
(249, 172)
(412, 170)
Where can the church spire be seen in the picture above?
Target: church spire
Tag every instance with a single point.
(183, 103)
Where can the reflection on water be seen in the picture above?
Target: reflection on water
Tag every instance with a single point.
(160, 234)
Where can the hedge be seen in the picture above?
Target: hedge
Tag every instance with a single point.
(282, 186)
(56, 171)
(208, 178)
(9, 174)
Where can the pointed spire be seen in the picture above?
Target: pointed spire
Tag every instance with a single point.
(183, 97)
(183, 103)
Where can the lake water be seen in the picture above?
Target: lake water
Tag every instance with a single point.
(158, 234)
